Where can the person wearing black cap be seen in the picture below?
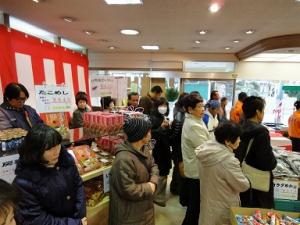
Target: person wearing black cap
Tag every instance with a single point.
(134, 177)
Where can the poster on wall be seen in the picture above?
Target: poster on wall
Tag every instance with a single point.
(102, 86)
(53, 98)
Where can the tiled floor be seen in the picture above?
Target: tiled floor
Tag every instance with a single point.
(172, 214)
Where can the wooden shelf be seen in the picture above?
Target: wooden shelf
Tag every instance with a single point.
(94, 173)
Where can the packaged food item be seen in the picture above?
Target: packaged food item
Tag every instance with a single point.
(11, 140)
(94, 191)
(86, 158)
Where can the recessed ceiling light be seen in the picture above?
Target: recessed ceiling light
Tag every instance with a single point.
(112, 47)
(130, 32)
(150, 47)
(236, 41)
(249, 31)
(69, 19)
(203, 32)
(227, 48)
(36, 1)
(124, 2)
(215, 7)
(89, 32)
(197, 42)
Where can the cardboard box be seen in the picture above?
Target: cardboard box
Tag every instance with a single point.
(250, 211)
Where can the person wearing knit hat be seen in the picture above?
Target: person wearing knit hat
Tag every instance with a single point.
(134, 177)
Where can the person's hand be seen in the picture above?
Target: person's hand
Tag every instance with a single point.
(165, 124)
(153, 186)
(84, 221)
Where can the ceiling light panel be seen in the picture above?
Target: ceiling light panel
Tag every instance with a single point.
(129, 32)
(124, 2)
(150, 47)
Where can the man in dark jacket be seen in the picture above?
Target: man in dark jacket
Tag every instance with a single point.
(147, 102)
(260, 155)
(13, 112)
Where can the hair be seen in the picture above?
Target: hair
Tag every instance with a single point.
(179, 102)
(224, 99)
(81, 96)
(251, 104)
(227, 131)
(213, 104)
(105, 101)
(213, 93)
(242, 96)
(162, 101)
(297, 104)
(191, 100)
(195, 93)
(9, 197)
(38, 140)
(13, 91)
(132, 94)
(156, 89)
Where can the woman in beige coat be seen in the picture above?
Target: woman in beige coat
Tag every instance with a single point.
(221, 177)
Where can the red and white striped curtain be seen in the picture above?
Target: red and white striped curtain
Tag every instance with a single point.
(31, 61)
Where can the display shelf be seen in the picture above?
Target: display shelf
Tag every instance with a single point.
(98, 215)
(94, 173)
(103, 203)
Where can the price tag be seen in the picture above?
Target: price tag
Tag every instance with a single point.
(286, 189)
(106, 180)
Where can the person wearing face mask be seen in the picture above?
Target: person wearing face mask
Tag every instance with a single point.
(162, 150)
(13, 111)
(220, 174)
(51, 188)
(9, 197)
(260, 155)
(133, 177)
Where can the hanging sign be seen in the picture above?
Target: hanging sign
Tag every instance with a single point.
(53, 98)
(102, 86)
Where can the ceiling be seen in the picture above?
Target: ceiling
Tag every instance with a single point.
(174, 25)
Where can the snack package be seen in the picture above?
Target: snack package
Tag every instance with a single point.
(86, 158)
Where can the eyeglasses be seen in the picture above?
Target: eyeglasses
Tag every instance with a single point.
(21, 99)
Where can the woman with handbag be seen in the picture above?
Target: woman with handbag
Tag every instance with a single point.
(256, 156)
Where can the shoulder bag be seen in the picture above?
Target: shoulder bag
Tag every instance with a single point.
(259, 180)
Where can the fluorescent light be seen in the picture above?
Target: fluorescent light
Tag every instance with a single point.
(236, 41)
(203, 32)
(71, 45)
(124, 2)
(36, 1)
(215, 7)
(197, 42)
(130, 32)
(249, 31)
(150, 47)
(89, 32)
(274, 57)
(227, 48)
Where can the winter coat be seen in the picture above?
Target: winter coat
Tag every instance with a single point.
(77, 118)
(52, 196)
(261, 157)
(161, 151)
(176, 130)
(194, 133)
(131, 197)
(221, 179)
(147, 103)
(13, 118)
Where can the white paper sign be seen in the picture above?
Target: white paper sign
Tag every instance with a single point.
(53, 98)
(286, 189)
(106, 180)
(8, 166)
(102, 86)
